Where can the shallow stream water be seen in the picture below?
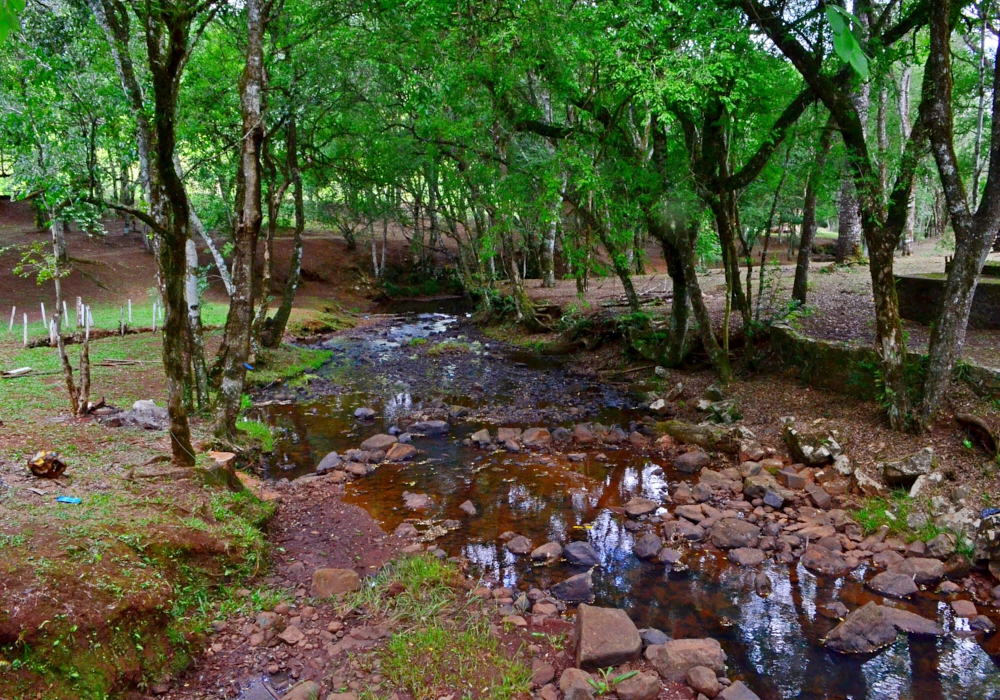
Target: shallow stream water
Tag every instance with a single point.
(773, 643)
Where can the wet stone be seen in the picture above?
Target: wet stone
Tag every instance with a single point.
(401, 453)
(651, 636)
(581, 554)
(821, 560)
(638, 506)
(548, 552)
(648, 546)
(575, 589)
(730, 533)
(737, 691)
(673, 659)
(691, 462)
(893, 584)
(981, 623)
(519, 545)
(536, 437)
(924, 571)
(703, 680)
(431, 427)
(468, 508)
(642, 686)
(364, 413)
(378, 442)
(417, 501)
(328, 463)
(964, 608)
(746, 556)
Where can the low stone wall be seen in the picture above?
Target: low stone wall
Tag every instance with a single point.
(919, 295)
(851, 369)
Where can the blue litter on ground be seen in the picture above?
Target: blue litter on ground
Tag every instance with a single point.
(70, 499)
(247, 365)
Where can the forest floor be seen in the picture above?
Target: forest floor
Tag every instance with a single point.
(121, 591)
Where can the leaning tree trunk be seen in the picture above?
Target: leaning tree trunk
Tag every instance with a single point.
(276, 329)
(236, 342)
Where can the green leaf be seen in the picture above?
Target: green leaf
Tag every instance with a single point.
(835, 18)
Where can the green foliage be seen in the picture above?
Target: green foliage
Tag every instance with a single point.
(9, 10)
(258, 433)
(607, 682)
(846, 28)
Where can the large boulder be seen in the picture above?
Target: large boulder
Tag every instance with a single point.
(575, 589)
(639, 506)
(331, 582)
(675, 658)
(988, 539)
(536, 437)
(605, 637)
(893, 584)
(431, 427)
(874, 626)
(329, 463)
(692, 462)
(821, 560)
(904, 472)
(762, 484)
(378, 442)
(581, 554)
(923, 570)
(647, 546)
(813, 448)
(730, 533)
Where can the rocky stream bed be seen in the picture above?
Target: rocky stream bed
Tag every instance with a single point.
(728, 556)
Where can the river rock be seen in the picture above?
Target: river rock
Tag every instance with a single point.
(746, 556)
(703, 680)
(812, 448)
(328, 463)
(981, 623)
(417, 501)
(431, 427)
(964, 608)
(738, 691)
(519, 545)
(663, 408)
(730, 533)
(821, 560)
(905, 471)
(642, 686)
(481, 437)
(379, 442)
(819, 496)
(331, 582)
(605, 637)
(575, 589)
(401, 453)
(651, 636)
(956, 567)
(647, 546)
(675, 658)
(874, 626)
(639, 506)
(759, 485)
(468, 508)
(575, 685)
(364, 413)
(581, 554)
(406, 530)
(692, 462)
(893, 584)
(548, 552)
(505, 434)
(536, 437)
(941, 547)
(924, 571)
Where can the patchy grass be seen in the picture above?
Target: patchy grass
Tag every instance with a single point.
(284, 363)
(257, 432)
(326, 319)
(449, 347)
(447, 644)
(874, 512)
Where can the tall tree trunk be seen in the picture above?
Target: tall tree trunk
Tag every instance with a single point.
(277, 327)
(849, 233)
(905, 82)
(974, 232)
(801, 284)
(196, 334)
(236, 342)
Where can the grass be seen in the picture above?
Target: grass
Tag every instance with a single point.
(285, 362)
(449, 347)
(446, 644)
(892, 512)
(258, 432)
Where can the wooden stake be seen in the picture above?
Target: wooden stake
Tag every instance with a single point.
(45, 320)
(10, 328)
(80, 320)
(130, 312)
(25, 330)
(121, 321)
(154, 317)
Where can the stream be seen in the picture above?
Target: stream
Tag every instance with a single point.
(773, 643)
